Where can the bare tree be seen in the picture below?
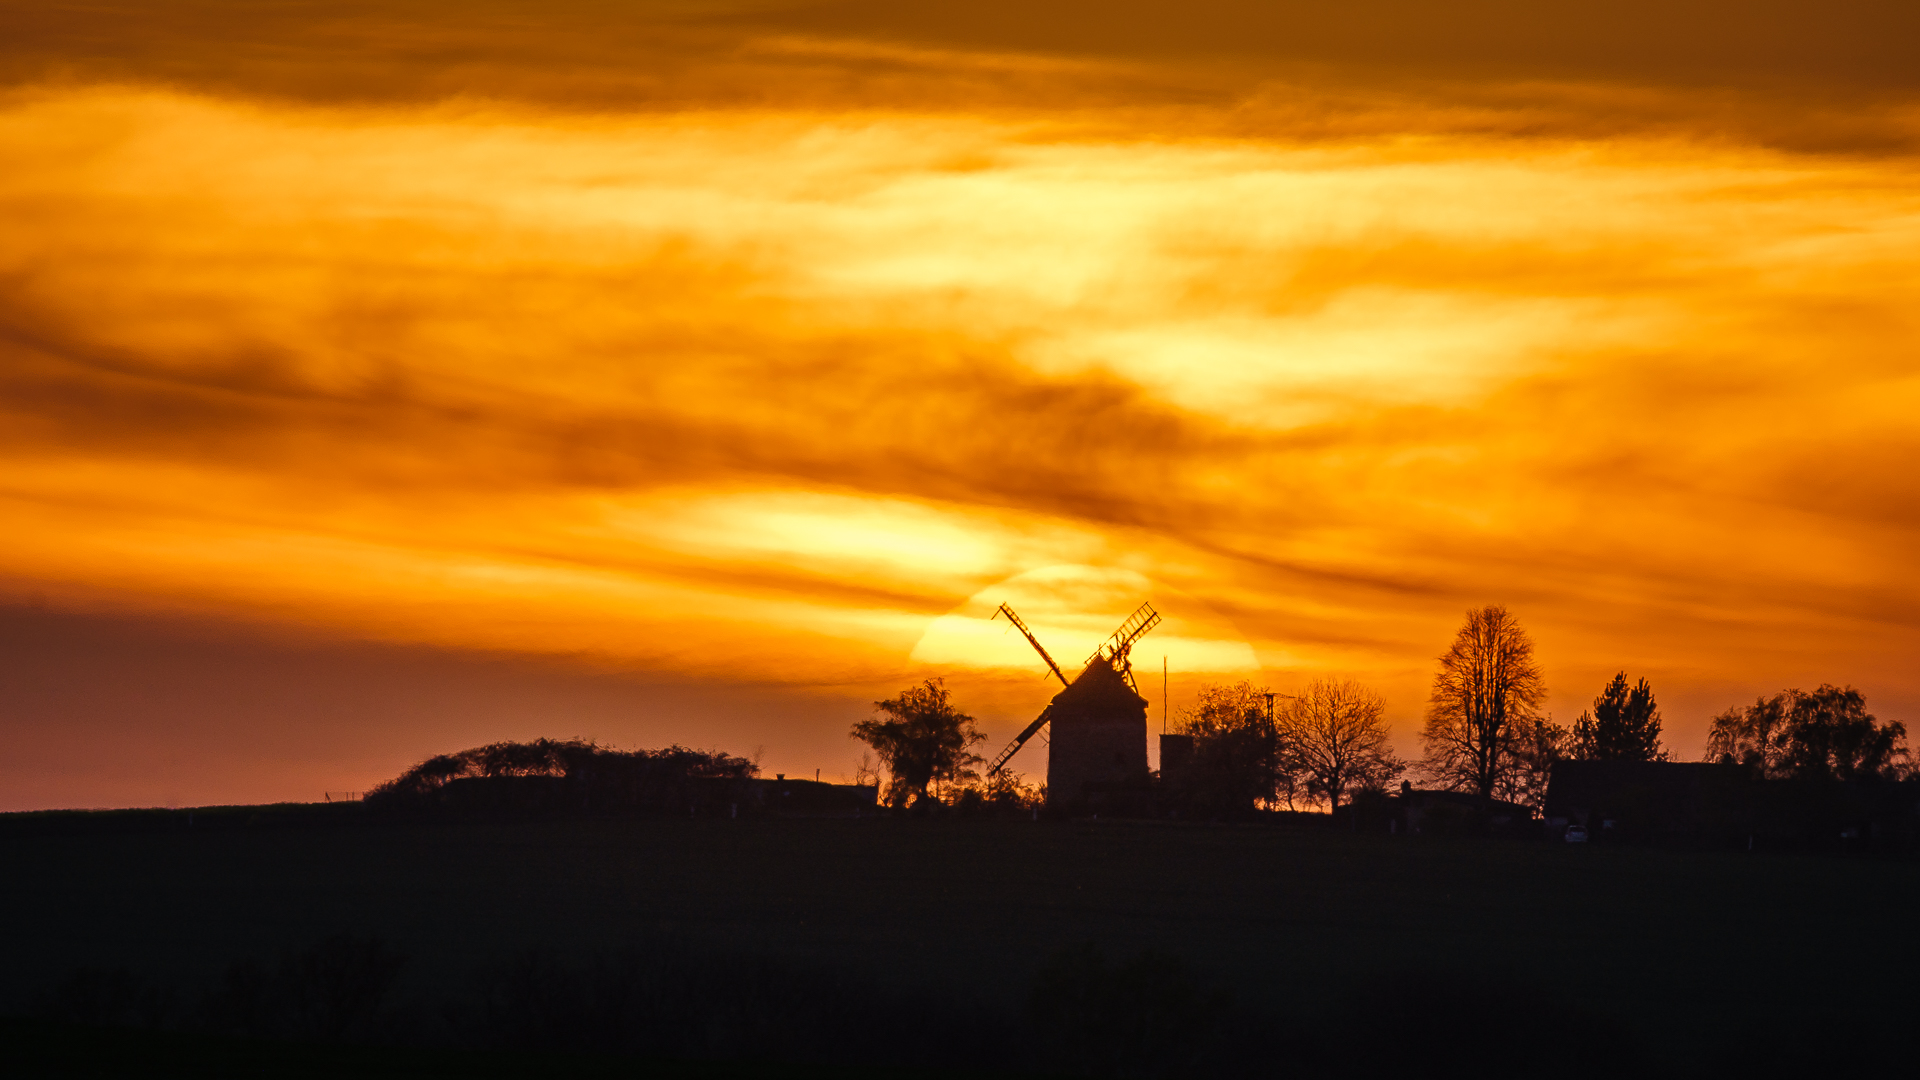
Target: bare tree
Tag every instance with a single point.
(1336, 739)
(1485, 702)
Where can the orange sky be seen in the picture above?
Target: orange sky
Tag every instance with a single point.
(385, 379)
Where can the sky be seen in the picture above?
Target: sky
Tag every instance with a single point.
(379, 380)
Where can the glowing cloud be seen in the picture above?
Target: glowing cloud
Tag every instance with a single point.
(782, 347)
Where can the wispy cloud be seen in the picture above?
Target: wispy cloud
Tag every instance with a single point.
(806, 334)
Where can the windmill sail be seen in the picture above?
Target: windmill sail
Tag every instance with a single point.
(1007, 610)
(1119, 648)
(1020, 740)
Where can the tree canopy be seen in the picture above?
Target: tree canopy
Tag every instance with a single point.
(921, 739)
(1624, 725)
(1238, 759)
(1825, 734)
(1483, 711)
(600, 776)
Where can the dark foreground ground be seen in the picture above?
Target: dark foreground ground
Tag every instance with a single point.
(895, 947)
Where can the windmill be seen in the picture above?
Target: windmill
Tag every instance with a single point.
(1094, 715)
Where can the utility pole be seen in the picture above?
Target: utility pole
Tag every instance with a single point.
(1163, 695)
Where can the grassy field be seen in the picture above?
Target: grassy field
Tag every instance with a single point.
(875, 937)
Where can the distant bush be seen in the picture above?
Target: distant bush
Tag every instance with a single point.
(550, 774)
(1001, 795)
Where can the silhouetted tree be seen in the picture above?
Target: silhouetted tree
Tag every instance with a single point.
(1485, 699)
(541, 757)
(1754, 736)
(921, 740)
(1537, 743)
(1826, 734)
(1624, 725)
(1238, 759)
(1335, 739)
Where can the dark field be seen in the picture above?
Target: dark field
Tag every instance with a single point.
(952, 943)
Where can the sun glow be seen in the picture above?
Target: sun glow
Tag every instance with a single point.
(1072, 610)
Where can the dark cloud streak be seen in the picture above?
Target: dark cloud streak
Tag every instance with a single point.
(1836, 76)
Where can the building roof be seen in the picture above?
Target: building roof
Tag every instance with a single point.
(1098, 689)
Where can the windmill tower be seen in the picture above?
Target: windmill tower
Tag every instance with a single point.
(1098, 740)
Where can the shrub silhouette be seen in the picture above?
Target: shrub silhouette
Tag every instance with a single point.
(549, 774)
